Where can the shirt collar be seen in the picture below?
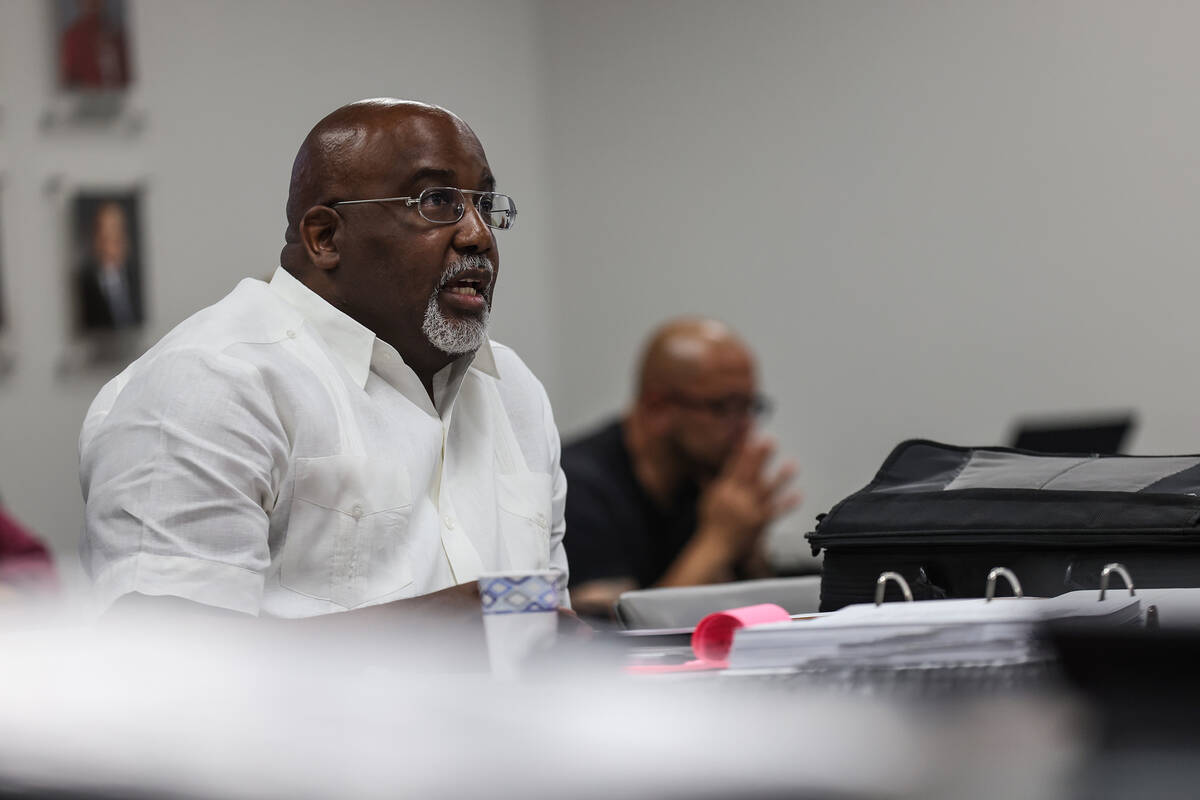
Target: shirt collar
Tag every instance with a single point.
(485, 360)
(349, 341)
(352, 343)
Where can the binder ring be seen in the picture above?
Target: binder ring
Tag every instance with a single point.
(1120, 570)
(1008, 575)
(881, 585)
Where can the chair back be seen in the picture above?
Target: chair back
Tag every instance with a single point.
(684, 606)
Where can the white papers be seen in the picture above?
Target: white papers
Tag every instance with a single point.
(928, 633)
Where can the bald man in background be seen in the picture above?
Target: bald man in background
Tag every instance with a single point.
(679, 491)
(344, 439)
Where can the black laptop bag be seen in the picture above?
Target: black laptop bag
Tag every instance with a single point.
(943, 516)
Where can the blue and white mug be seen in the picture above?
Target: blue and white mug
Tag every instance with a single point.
(520, 616)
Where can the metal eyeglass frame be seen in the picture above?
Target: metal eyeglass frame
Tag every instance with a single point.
(758, 407)
(511, 214)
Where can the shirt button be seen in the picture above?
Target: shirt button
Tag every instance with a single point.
(291, 334)
(357, 511)
(449, 521)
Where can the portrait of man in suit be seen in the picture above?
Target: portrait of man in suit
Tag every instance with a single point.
(2, 302)
(108, 275)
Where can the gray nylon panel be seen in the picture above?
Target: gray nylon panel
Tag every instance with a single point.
(922, 468)
(988, 470)
(1121, 474)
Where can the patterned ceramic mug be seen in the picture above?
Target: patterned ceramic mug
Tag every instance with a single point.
(520, 616)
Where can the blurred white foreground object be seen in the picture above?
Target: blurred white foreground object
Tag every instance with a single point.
(250, 709)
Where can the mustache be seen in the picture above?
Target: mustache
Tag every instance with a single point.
(474, 261)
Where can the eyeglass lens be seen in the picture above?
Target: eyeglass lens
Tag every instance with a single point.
(756, 406)
(444, 204)
(732, 406)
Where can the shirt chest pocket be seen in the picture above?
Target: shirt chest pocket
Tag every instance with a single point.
(525, 518)
(347, 539)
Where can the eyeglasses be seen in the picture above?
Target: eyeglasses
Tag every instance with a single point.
(729, 407)
(445, 205)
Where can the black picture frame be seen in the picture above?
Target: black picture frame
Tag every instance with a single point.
(106, 266)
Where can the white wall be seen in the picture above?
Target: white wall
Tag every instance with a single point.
(229, 89)
(928, 217)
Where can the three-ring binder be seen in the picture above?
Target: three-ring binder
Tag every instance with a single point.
(1008, 575)
(996, 573)
(1120, 570)
(895, 577)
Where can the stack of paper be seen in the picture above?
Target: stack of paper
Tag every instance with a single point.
(927, 634)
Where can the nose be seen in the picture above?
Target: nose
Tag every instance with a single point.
(471, 234)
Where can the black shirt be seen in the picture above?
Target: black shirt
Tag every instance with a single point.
(614, 529)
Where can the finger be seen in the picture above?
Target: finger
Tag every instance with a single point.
(752, 458)
(786, 503)
(783, 476)
(731, 467)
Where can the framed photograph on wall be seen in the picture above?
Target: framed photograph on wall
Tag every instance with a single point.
(107, 264)
(6, 358)
(3, 298)
(93, 45)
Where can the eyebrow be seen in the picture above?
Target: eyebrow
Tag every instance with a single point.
(446, 177)
(430, 173)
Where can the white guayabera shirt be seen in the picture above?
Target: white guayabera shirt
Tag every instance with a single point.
(271, 456)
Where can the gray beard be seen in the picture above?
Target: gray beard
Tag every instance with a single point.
(457, 336)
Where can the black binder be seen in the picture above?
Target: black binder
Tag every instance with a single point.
(943, 516)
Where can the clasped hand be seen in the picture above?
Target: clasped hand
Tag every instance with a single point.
(736, 507)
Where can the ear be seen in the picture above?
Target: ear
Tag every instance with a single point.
(317, 229)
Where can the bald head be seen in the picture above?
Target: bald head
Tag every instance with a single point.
(348, 148)
(697, 390)
(684, 350)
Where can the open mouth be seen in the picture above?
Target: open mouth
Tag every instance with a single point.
(468, 291)
(470, 288)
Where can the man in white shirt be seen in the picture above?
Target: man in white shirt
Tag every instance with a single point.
(345, 436)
